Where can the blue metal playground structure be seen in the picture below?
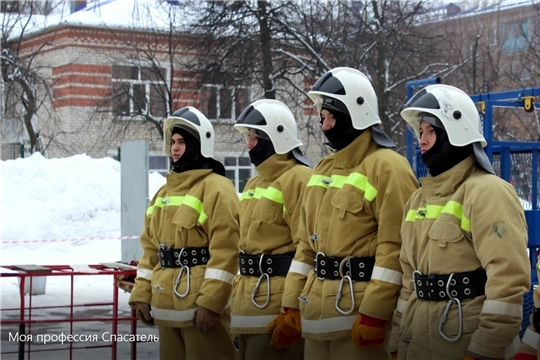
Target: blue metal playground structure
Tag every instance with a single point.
(514, 161)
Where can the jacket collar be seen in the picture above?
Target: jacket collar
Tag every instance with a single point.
(185, 179)
(276, 165)
(449, 181)
(354, 153)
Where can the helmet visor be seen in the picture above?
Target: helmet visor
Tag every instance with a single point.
(328, 83)
(251, 116)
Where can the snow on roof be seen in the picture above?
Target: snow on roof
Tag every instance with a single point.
(151, 15)
(441, 11)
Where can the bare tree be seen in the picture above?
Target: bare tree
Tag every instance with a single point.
(24, 88)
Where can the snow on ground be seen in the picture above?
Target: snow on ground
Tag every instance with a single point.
(71, 199)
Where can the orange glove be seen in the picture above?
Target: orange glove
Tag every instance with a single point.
(522, 356)
(286, 329)
(142, 310)
(368, 331)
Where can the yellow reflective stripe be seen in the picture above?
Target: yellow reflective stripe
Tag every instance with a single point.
(275, 195)
(196, 204)
(247, 194)
(338, 181)
(411, 215)
(319, 180)
(433, 212)
(361, 182)
(456, 209)
(259, 192)
(167, 201)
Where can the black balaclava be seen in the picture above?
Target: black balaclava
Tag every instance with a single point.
(443, 156)
(262, 151)
(343, 133)
(192, 158)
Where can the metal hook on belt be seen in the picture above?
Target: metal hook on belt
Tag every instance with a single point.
(179, 277)
(343, 278)
(256, 288)
(445, 314)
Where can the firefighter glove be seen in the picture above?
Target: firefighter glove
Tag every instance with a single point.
(142, 310)
(205, 319)
(286, 329)
(368, 331)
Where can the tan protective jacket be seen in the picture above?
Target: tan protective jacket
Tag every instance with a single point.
(352, 206)
(460, 221)
(195, 208)
(269, 216)
(530, 343)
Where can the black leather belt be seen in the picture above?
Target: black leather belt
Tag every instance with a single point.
(273, 265)
(462, 285)
(333, 267)
(189, 256)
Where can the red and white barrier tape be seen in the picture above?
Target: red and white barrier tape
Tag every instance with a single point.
(67, 240)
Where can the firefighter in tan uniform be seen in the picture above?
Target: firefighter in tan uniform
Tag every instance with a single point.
(530, 343)
(269, 215)
(464, 252)
(351, 216)
(190, 244)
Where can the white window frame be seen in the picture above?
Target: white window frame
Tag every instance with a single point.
(221, 119)
(236, 168)
(147, 88)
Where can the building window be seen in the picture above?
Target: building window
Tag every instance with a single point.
(158, 163)
(224, 103)
(239, 170)
(514, 36)
(139, 91)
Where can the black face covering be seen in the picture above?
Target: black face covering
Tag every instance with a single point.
(443, 156)
(343, 133)
(192, 158)
(262, 151)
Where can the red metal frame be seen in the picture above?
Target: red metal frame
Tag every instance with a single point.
(25, 319)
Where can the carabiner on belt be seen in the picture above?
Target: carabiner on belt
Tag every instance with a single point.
(256, 288)
(349, 280)
(179, 278)
(445, 314)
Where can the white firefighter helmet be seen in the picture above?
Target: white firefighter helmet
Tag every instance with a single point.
(274, 119)
(452, 109)
(194, 121)
(353, 90)
(276, 122)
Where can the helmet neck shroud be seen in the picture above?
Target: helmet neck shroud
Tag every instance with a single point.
(192, 158)
(343, 133)
(443, 156)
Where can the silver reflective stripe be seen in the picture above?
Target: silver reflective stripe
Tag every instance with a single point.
(401, 305)
(300, 268)
(145, 274)
(513, 348)
(173, 315)
(531, 338)
(502, 308)
(328, 325)
(386, 275)
(219, 275)
(251, 321)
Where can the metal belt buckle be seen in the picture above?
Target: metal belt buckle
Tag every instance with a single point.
(417, 272)
(317, 262)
